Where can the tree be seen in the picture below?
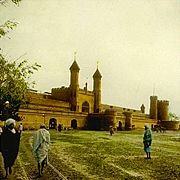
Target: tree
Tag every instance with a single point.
(172, 116)
(4, 28)
(14, 78)
(14, 84)
(3, 2)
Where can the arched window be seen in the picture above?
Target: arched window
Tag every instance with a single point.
(120, 126)
(52, 123)
(85, 107)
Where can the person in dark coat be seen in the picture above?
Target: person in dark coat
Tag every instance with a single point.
(59, 127)
(10, 139)
(111, 130)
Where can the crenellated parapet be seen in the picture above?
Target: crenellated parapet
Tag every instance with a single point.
(163, 102)
(62, 93)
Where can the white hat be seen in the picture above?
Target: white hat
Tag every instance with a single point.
(10, 121)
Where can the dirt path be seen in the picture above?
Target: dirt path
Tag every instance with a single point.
(25, 167)
(30, 165)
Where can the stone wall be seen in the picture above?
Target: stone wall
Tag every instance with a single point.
(62, 93)
(171, 125)
(32, 118)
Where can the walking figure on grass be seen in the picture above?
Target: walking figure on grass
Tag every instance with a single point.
(10, 139)
(41, 141)
(111, 130)
(147, 140)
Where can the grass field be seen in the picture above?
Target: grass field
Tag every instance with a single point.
(97, 155)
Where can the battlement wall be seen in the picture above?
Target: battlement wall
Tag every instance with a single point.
(38, 101)
(62, 93)
(44, 107)
(163, 102)
(119, 109)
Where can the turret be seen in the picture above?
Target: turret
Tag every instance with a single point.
(153, 107)
(74, 85)
(74, 80)
(163, 107)
(142, 108)
(97, 91)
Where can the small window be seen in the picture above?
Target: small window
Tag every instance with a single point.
(85, 107)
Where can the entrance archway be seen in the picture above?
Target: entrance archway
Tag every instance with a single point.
(74, 124)
(120, 126)
(52, 123)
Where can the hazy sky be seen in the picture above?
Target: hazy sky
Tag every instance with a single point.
(137, 44)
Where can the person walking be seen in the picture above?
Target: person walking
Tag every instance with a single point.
(1, 130)
(111, 130)
(10, 140)
(59, 127)
(147, 140)
(41, 141)
(20, 127)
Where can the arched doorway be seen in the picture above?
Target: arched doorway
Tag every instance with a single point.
(52, 123)
(74, 124)
(120, 126)
(85, 107)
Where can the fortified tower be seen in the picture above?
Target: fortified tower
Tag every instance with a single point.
(142, 108)
(74, 85)
(153, 107)
(97, 91)
(163, 107)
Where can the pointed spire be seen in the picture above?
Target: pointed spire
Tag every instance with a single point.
(74, 65)
(97, 74)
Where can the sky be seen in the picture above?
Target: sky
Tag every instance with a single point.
(135, 42)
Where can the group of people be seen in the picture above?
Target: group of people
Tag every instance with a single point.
(10, 140)
(9, 145)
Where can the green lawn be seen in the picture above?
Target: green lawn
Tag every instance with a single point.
(97, 155)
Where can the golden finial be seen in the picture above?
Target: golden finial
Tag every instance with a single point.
(75, 53)
(97, 64)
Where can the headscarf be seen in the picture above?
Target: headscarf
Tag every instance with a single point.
(42, 126)
(147, 133)
(10, 121)
(41, 141)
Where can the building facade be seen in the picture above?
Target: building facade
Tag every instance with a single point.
(75, 107)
